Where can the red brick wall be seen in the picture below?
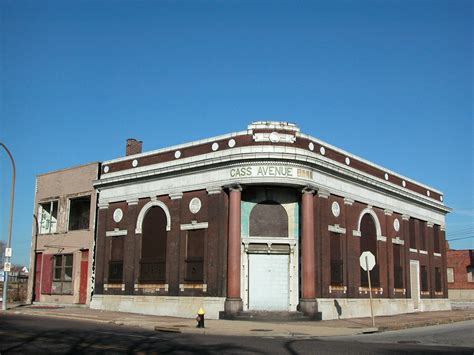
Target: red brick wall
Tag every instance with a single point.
(460, 260)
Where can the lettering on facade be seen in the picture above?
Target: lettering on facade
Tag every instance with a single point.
(270, 170)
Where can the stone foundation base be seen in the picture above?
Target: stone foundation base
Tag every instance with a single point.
(185, 307)
(233, 306)
(309, 307)
(341, 308)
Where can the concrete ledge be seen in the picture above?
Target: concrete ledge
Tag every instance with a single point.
(184, 307)
(344, 308)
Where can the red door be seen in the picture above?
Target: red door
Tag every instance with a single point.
(83, 284)
(38, 264)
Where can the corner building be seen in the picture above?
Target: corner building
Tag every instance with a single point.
(266, 219)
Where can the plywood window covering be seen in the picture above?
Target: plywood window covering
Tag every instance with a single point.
(424, 278)
(450, 274)
(436, 241)
(268, 219)
(422, 226)
(154, 241)
(437, 279)
(62, 274)
(48, 217)
(368, 242)
(116, 260)
(397, 266)
(337, 263)
(195, 240)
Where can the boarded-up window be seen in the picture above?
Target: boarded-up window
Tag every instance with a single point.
(62, 274)
(48, 217)
(268, 219)
(116, 260)
(437, 279)
(336, 259)
(424, 278)
(195, 240)
(470, 272)
(436, 241)
(397, 266)
(412, 234)
(154, 238)
(422, 225)
(450, 274)
(368, 242)
(79, 211)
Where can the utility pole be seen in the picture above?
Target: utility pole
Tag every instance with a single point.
(8, 250)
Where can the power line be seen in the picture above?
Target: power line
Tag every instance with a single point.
(472, 236)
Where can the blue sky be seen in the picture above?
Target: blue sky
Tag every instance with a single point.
(390, 81)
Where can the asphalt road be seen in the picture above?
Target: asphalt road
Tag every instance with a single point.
(36, 334)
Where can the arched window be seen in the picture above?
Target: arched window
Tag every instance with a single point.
(153, 255)
(368, 242)
(268, 219)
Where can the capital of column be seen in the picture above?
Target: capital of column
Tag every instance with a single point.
(388, 212)
(308, 190)
(103, 205)
(323, 193)
(348, 201)
(132, 201)
(429, 224)
(176, 195)
(235, 187)
(214, 190)
(442, 228)
(405, 217)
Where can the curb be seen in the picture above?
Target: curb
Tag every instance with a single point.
(425, 323)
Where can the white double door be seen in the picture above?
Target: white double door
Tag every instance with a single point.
(268, 288)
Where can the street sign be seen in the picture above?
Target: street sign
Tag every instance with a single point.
(8, 252)
(370, 260)
(7, 267)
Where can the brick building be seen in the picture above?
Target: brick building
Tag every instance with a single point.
(63, 236)
(266, 219)
(460, 276)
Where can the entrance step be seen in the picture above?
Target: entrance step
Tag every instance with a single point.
(268, 316)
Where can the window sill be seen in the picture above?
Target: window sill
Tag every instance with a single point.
(112, 285)
(151, 286)
(193, 286)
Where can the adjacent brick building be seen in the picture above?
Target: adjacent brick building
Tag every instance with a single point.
(63, 236)
(266, 219)
(460, 276)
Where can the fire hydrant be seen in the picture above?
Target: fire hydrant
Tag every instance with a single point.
(200, 318)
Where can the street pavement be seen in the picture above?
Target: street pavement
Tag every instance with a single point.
(331, 328)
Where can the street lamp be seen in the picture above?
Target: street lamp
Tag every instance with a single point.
(8, 248)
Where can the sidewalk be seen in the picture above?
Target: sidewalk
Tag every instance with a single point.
(250, 328)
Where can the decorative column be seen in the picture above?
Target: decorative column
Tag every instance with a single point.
(174, 245)
(233, 303)
(406, 254)
(308, 303)
(100, 256)
(443, 250)
(130, 241)
(431, 266)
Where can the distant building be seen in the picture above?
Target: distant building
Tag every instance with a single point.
(460, 274)
(63, 237)
(265, 219)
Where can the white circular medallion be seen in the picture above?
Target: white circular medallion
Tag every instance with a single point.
(134, 163)
(336, 210)
(348, 161)
(404, 183)
(441, 198)
(231, 143)
(215, 146)
(106, 169)
(428, 193)
(386, 176)
(311, 146)
(177, 154)
(274, 137)
(396, 224)
(322, 150)
(195, 205)
(118, 214)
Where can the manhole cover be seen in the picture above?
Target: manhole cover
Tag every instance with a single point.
(261, 330)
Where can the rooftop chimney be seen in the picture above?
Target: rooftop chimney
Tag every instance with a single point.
(133, 147)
